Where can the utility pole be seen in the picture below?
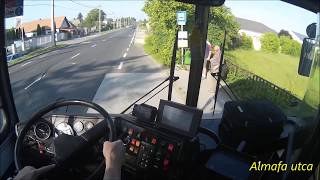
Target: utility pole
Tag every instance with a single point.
(53, 25)
(99, 19)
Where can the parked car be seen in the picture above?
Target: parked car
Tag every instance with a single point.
(13, 56)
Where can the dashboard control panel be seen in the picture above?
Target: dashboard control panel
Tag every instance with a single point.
(147, 147)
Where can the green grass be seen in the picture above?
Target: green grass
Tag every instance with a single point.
(35, 53)
(279, 69)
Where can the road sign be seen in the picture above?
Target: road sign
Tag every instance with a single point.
(182, 17)
(183, 35)
(182, 43)
(13, 8)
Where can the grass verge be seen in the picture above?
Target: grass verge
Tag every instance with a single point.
(35, 53)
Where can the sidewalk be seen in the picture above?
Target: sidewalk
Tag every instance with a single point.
(206, 93)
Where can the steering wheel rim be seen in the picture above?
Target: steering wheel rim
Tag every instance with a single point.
(51, 107)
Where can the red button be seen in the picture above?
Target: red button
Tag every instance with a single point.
(133, 141)
(170, 147)
(154, 141)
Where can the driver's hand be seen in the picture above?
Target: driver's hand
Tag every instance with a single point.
(113, 153)
(31, 173)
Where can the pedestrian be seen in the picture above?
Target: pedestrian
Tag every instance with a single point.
(215, 61)
(207, 56)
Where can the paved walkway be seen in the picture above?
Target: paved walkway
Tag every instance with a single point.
(207, 88)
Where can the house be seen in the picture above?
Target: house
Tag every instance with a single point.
(253, 29)
(64, 28)
(297, 36)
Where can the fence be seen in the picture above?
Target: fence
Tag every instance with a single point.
(36, 42)
(246, 85)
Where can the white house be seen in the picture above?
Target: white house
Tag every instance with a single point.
(297, 36)
(253, 29)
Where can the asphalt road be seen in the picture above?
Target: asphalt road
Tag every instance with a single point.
(78, 70)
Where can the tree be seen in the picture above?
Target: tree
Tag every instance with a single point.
(289, 46)
(246, 41)
(80, 17)
(284, 33)
(270, 42)
(38, 30)
(163, 25)
(24, 34)
(43, 30)
(222, 19)
(92, 18)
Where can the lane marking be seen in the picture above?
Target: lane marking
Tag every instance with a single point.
(104, 40)
(120, 65)
(73, 63)
(125, 55)
(75, 55)
(25, 64)
(127, 49)
(94, 45)
(35, 81)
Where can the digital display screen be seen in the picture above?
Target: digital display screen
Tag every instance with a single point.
(177, 118)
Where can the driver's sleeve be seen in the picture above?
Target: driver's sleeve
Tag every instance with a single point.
(31, 173)
(112, 174)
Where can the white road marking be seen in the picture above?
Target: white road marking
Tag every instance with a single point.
(125, 55)
(75, 55)
(35, 81)
(26, 64)
(120, 65)
(94, 45)
(104, 40)
(127, 49)
(73, 63)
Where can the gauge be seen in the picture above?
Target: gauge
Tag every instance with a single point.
(78, 126)
(64, 128)
(42, 130)
(89, 125)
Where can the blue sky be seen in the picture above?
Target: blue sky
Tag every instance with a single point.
(275, 14)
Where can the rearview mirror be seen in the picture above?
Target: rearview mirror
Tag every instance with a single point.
(204, 2)
(306, 57)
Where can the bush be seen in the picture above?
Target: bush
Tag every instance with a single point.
(289, 46)
(270, 42)
(246, 41)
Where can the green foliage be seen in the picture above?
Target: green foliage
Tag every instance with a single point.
(162, 20)
(10, 34)
(39, 30)
(289, 46)
(92, 18)
(284, 33)
(246, 41)
(270, 42)
(222, 19)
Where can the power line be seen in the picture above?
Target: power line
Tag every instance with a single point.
(82, 4)
(54, 5)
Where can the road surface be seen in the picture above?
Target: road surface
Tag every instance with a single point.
(109, 70)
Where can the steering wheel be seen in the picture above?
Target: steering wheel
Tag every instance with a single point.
(67, 146)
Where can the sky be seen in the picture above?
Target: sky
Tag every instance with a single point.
(275, 14)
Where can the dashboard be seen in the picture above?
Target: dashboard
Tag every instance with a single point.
(160, 144)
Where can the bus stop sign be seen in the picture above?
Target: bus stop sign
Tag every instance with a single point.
(13, 8)
(181, 18)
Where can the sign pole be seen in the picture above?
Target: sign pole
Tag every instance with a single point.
(182, 50)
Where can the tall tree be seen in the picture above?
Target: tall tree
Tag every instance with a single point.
(80, 17)
(284, 33)
(92, 18)
(43, 30)
(24, 34)
(38, 30)
(163, 23)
